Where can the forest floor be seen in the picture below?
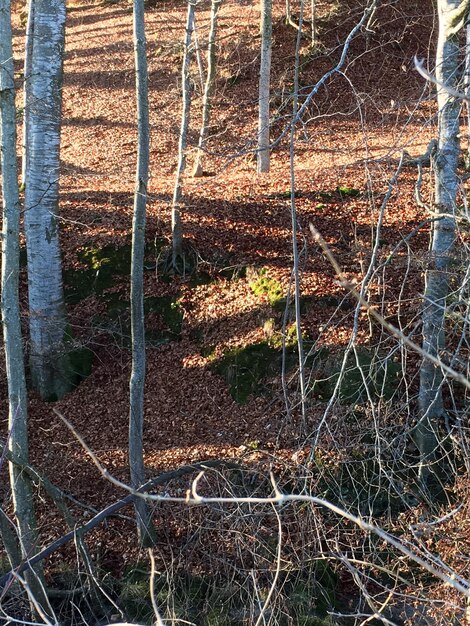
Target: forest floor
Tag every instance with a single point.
(213, 385)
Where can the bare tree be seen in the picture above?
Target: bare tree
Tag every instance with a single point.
(467, 89)
(50, 366)
(137, 380)
(176, 225)
(289, 19)
(264, 85)
(431, 404)
(17, 398)
(208, 88)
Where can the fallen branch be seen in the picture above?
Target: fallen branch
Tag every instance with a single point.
(111, 510)
(429, 562)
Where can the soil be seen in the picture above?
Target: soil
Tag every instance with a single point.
(238, 234)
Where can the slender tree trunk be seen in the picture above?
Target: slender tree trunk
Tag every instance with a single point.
(28, 56)
(10, 310)
(264, 85)
(176, 226)
(137, 381)
(467, 92)
(9, 539)
(431, 379)
(198, 56)
(295, 228)
(208, 88)
(313, 26)
(289, 19)
(50, 368)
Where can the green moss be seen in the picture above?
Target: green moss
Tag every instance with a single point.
(325, 195)
(368, 374)
(166, 328)
(246, 369)
(134, 595)
(311, 594)
(306, 596)
(73, 366)
(100, 267)
(81, 362)
(362, 483)
(285, 195)
(265, 286)
(217, 617)
(305, 303)
(170, 311)
(348, 191)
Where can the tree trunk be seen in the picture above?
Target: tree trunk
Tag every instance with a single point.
(467, 92)
(313, 25)
(50, 369)
(289, 20)
(176, 226)
(10, 310)
(137, 380)
(431, 379)
(208, 88)
(28, 55)
(264, 85)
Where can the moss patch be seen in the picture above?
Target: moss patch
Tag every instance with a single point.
(362, 484)
(211, 601)
(350, 192)
(134, 595)
(81, 361)
(163, 318)
(100, 266)
(269, 287)
(368, 374)
(312, 594)
(170, 312)
(245, 369)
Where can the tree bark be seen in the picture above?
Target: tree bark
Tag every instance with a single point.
(264, 86)
(10, 310)
(28, 55)
(137, 380)
(50, 369)
(467, 91)
(176, 225)
(289, 20)
(431, 406)
(208, 88)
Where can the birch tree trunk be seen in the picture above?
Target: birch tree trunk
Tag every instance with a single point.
(431, 379)
(264, 85)
(176, 226)
(28, 56)
(137, 380)
(10, 310)
(50, 370)
(208, 88)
